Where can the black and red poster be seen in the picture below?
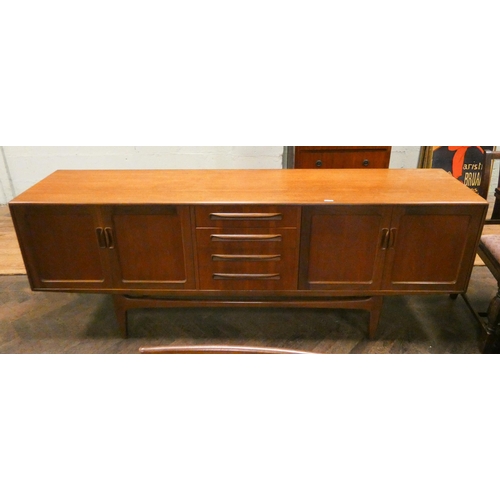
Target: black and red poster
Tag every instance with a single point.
(465, 163)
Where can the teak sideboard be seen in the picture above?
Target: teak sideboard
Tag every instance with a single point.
(267, 238)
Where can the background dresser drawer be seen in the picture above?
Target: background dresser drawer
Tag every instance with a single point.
(245, 259)
(247, 216)
(342, 156)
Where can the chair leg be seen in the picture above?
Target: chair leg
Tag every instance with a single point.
(492, 338)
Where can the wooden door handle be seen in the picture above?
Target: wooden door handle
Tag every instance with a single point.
(100, 237)
(385, 239)
(392, 237)
(108, 233)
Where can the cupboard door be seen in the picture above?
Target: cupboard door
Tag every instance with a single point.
(342, 247)
(432, 248)
(62, 246)
(150, 246)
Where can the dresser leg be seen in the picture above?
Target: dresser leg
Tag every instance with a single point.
(375, 310)
(121, 314)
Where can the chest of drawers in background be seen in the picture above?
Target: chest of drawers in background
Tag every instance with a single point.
(342, 156)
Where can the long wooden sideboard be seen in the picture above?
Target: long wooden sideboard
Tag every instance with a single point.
(266, 238)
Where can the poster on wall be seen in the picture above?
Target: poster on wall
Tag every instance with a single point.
(465, 163)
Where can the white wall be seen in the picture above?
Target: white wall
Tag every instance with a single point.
(404, 156)
(28, 165)
(23, 166)
(6, 190)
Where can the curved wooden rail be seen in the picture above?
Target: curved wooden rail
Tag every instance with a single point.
(216, 349)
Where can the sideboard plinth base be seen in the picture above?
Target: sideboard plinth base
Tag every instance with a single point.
(123, 303)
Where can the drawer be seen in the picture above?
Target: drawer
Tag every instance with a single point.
(244, 259)
(247, 216)
(364, 157)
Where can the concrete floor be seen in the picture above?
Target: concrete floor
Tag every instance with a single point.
(43, 322)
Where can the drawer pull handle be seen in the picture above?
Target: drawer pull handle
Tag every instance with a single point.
(319, 163)
(366, 163)
(245, 237)
(229, 276)
(222, 257)
(244, 216)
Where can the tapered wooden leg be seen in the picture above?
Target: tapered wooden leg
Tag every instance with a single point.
(375, 316)
(121, 314)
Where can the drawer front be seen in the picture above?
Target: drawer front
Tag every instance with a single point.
(349, 158)
(247, 216)
(243, 259)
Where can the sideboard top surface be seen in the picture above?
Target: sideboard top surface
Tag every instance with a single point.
(314, 187)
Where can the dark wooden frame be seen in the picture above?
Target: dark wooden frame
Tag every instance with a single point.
(489, 341)
(490, 156)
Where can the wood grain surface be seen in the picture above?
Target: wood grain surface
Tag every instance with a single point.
(350, 186)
